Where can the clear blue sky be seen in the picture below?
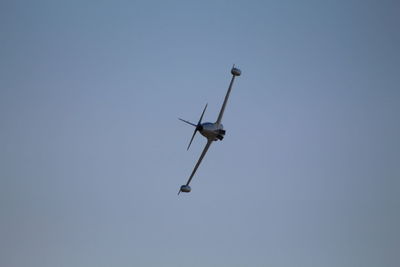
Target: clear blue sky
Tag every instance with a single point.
(92, 154)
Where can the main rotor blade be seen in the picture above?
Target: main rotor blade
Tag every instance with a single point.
(194, 133)
(201, 117)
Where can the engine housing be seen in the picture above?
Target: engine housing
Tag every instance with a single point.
(185, 188)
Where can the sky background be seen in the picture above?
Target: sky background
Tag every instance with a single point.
(92, 154)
